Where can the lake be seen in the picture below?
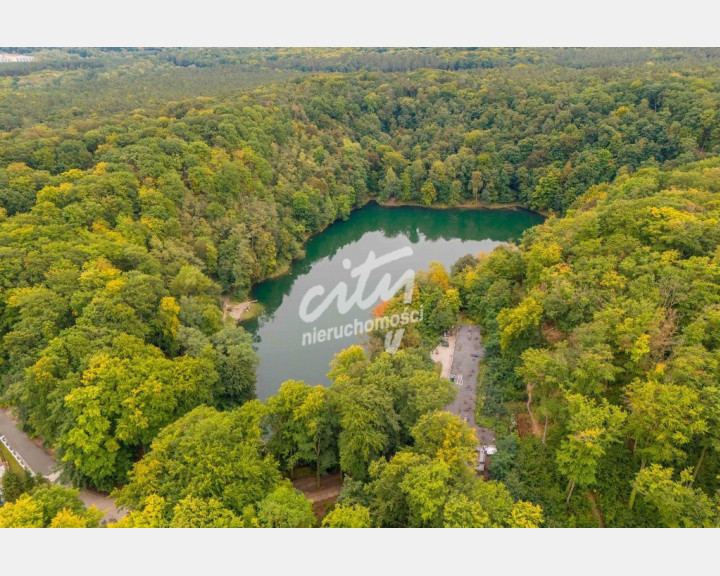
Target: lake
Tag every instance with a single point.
(415, 236)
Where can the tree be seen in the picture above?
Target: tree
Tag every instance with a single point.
(448, 438)
(441, 181)
(391, 186)
(347, 517)
(151, 515)
(428, 194)
(167, 324)
(23, 513)
(190, 281)
(286, 431)
(236, 363)
(193, 512)
(417, 490)
(67, 519)
(286, 507)
(415, 387)
(348, 363)
(651, 401)
(461, 512)
(496, 500)
(518, 326)
(526, 515)
(426, 488)
(544, 373)
(12, 487)
(122, 401)
(207, 455)
(592, 428)
(417, 175)
(678, 503)
(365, 411)
(317, 443)
(476, 184)
(678, 408)
(115, 229)
(39, 314)
(368, 424)
(548, 193)
(389, 505)
(49, 506)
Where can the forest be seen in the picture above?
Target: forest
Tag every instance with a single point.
(139, 186)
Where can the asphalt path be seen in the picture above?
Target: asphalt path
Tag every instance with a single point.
(34, 456)
(467, 355)
(41, 461)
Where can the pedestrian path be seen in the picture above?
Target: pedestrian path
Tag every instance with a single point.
(37, 460)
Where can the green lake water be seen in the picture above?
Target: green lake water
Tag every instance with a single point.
(423, 234)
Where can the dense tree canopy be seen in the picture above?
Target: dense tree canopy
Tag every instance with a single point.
(49, 507)
(603, 323)
(138, 187)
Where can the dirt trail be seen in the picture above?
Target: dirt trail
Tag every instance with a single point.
(536, 428)
(323, 496)
(330, 486)
(595, 508)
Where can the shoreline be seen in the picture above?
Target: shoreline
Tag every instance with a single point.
(240, 311)
(286, 268)
(499, 206)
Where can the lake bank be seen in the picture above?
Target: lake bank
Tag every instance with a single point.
(286, 268)
(425, 234)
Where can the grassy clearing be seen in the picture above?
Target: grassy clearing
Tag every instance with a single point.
(10, 459)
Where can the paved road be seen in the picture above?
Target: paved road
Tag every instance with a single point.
(468, 351)
(41, 461)
(104, 503)
(35, 457)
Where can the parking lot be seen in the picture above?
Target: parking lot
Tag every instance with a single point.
(467, 352)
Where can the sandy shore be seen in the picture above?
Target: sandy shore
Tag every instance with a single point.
(239, 311)
(444, 355)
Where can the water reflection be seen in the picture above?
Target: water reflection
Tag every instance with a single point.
(442, 235)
